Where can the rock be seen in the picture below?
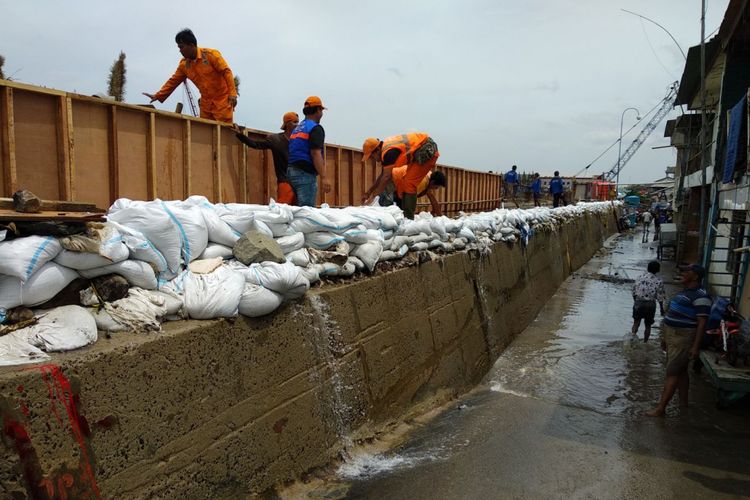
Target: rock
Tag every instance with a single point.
(27, 202)
(111, 287)
(254, 246)
(18, 315)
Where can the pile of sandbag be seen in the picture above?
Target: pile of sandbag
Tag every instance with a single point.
(195, 259)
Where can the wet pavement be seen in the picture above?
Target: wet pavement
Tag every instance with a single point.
(560, 414)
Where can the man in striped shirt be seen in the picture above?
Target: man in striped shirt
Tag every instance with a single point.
(682, 330)
(648, 290)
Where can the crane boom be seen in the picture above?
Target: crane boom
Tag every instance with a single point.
(666, 106)
(191, 101)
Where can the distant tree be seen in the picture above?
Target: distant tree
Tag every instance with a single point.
(116, 81)
(237, 83)
(2, 61)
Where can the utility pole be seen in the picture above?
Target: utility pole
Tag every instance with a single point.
(702, 229)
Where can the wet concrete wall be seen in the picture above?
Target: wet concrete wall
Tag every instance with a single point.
(223, 408)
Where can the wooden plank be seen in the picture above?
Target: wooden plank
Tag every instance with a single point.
(9, 142)
(12, 215)
(266, 159)
(217, 163)
(337, 177)
(187, 158)
(351, 178)
(151, 157)
(114, 160)
(56, 206)
(64, 145)
(242, 151)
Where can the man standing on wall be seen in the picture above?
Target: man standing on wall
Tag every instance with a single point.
(536, 189)
(279, 146)
(557, 188)
(209, 72)
(416, 151)
(682, 331)
(306, 160)
(511, 184)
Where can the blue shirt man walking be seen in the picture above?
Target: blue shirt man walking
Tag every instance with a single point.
(557, 188)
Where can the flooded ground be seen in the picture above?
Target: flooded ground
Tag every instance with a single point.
(560, 414)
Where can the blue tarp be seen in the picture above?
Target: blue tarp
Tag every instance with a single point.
(734, 140)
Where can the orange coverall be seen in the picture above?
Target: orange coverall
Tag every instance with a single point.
(215, 81)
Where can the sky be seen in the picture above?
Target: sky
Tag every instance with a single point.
(541, 84)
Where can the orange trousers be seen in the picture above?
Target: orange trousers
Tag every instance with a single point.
(285, 193)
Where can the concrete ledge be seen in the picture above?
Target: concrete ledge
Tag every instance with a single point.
(227, 408)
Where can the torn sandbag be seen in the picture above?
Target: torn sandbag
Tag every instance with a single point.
(61, 329)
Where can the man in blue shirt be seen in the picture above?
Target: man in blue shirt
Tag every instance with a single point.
(536, 189)
(306, 160)
(511, 184)
(682, 331)
(557, 188)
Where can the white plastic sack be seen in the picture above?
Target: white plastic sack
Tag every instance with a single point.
(141, 310)
(289, 244)
(215, 295)
(138, 273)
(22, 257)
(258, 301)
(299, 257)
(83, 260)
(369, 253)
(42, 286)
(16, 350)
(218, 231)
(192, 226)
(285, 278)
(61, 329)
(322, 240)
(214, 250)
(141, 248)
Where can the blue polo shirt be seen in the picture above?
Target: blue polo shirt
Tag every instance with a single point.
(685, 308)
(536, 186)
(511, 177)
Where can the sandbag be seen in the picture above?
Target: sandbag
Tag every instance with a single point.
(215, 295)
(141, 310)
(289, 244)
(22, 257)
(61, 329)
(138, 273)
(99, 239)
(369, 253)
(218, 230)
(41, 287)
(141, 248)
(83, 260)
(154, 223)
(322, 240)
(282, 278)
(192, 226)
(15, 350)
(258, 301)
(214, 250)
(299, 257)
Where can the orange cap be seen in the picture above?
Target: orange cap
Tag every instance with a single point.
(313, 101)
(371, 143)
(289, 116)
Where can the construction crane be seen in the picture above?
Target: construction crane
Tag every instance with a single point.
(190, 99)
(664, 108)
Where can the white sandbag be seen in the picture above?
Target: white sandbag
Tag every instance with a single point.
(22, 257)
(192, 226)
(218, 231)
(506, 231)
(99, 239)
(15, 350)
(299, 257)
(61, 329)
(437, 225)
(357, 263)
(214, 250)
(138, 273)
(310, 273)
(289, 244)
(141, 248)
(81, 260)
(414, 227)
(393, 254)
(3, 234)
(173, 302)
(140, 311)
(416, 247)
(331, 269)
(42, 286)
(280, 230)
(369, 253)
(399, 241)
(360, 235)
(154, 223)
(467, 234)
(215, 295)
(259, 301)
(285, 278)
(459, 244)
(322, 240)
(375, 217)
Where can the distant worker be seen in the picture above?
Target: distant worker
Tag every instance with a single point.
(510, 185)
(431, 183)
(557, 188)
(416, 151)
(209, 72)
(306, 161)
(536, 189)
(648, 291)
(279, 146)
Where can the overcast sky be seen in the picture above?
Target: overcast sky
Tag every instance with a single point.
(537, 83)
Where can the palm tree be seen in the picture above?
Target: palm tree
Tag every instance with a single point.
(116, 80)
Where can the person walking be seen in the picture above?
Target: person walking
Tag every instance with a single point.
(510, 184)
(208, 70)
(536, 189)
(306, 160)
(682, 331)
(648, 290)
(279, 146)
(557, 188)
(416, 151)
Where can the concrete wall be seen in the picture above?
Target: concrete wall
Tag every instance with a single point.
(222, 408)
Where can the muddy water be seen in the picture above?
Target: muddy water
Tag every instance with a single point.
(560, 414)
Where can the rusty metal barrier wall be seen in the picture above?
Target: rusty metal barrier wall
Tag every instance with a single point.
(70, 147)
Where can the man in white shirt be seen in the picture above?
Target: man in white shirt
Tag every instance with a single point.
(647, 291)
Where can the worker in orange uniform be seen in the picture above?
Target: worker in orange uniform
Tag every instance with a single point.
(209, 72)
(415, 150)
(428, 187)
(279, 146)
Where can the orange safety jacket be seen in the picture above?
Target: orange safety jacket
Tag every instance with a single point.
(413, 172)
(215, 81)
